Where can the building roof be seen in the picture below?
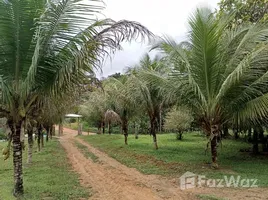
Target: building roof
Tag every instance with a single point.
(73, 116)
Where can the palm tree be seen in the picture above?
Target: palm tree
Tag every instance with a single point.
(46, 47)
(94, 107)
(122, 103)
(221, 74)
(146, 94)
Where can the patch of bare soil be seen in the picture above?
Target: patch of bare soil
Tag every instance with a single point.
(111, 180)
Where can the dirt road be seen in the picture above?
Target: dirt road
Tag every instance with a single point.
(111, 180)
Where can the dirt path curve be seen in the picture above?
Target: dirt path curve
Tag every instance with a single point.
(110, 180)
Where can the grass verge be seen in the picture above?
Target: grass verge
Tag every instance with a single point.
(48, 177)
(86, 152)
(174, 157)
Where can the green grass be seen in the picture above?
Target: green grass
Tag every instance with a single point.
(174, 157)
(49, 176)
(208, 197)
(86, 152)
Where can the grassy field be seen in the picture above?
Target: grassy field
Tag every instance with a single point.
(175, 157)
(49, 177)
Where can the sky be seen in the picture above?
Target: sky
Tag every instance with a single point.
(167, 17)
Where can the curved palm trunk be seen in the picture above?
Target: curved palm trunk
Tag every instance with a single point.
(30, 146)
(17, 159)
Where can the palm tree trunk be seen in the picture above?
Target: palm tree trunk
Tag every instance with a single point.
(53, 131)
(255, 141)
(214, 152)
(225, 131)
(103, 127)
(42, 138)
(109, 128)
(17, 159)
(39, 137)
(60, 129)
(135, 130)
(213, 144)
(153, 131)
(125, 129)
(30, 146)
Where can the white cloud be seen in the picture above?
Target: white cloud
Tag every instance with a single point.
(167, 17)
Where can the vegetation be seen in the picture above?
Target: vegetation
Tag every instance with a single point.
(48, 48)
(44, 177)
(175, 157)
(178, 120)
(214, 81)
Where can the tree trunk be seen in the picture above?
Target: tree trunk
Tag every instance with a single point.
(47, 134)
(215, 135)
(255, 148)
(214, 153)
(179, 136)
(153, 131)
(225, 131)
(103, 127)
(109, 128)
(60, 129)
(50, 132)
(125, 129)
(135, 131)
(39, 130)
(42, 138)
(30, 146)
(249, 135)
(17, 159)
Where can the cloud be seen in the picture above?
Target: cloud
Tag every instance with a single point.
(167, 17)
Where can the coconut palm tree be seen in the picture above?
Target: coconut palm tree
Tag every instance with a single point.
(46, 47)
(121, 103)
(221, 74)
(94, 107)
(146, 94)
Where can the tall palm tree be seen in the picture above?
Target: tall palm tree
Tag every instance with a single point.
(46, 47)
(221, 74)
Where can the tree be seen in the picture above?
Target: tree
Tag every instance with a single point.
(146, 94)
(179, 120)
(226, 73)
(94, 107)
(244, 11)
(47, 47)
(122, 103)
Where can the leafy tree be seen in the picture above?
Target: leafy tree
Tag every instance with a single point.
(226, 73)
(47, 47)
(179, 120)
(244, 11)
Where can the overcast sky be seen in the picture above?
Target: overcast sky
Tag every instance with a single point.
(167, 17)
